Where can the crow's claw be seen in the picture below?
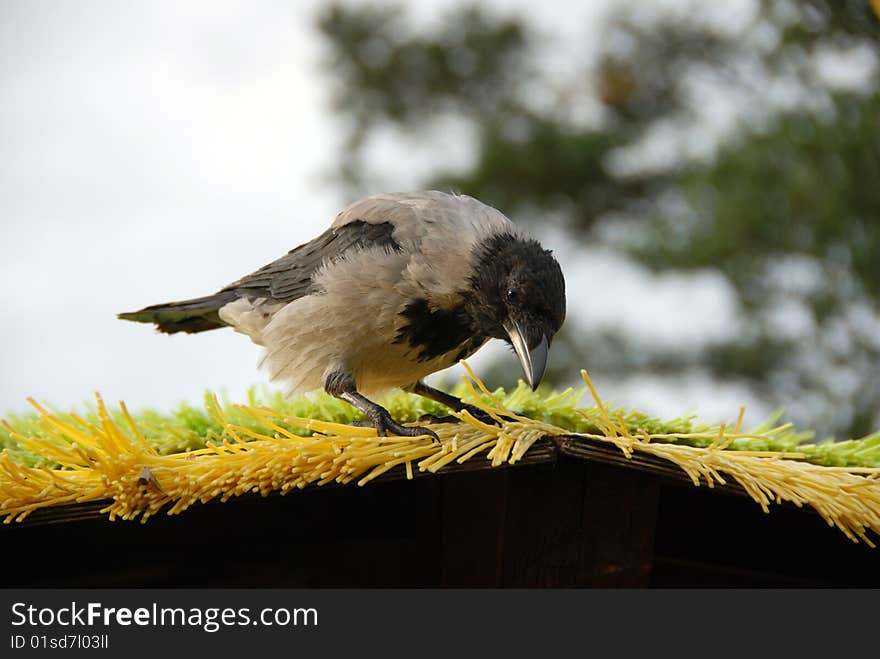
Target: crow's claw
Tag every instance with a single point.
(384, 424)
(476, 412)
(483, 416)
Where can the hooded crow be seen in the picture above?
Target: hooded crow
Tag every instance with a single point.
(400, 286)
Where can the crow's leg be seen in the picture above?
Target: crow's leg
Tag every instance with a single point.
(341, 384)
(451, 402)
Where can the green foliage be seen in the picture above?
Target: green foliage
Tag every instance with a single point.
(540, 162)
(803, 186)
(387, 73)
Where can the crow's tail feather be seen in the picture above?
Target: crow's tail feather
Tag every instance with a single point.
(191, 316)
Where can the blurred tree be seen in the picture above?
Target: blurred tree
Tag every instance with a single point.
(770, 174)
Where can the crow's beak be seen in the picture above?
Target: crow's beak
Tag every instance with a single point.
(533, 361)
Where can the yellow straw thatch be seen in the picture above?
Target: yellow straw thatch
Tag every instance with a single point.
(109, 460)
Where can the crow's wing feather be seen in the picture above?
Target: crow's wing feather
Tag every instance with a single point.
(290, 277)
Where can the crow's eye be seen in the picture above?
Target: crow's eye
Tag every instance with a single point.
(512, 294)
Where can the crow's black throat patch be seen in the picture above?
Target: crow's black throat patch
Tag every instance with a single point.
(436, 332)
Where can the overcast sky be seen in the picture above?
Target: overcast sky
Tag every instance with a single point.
(154, 151)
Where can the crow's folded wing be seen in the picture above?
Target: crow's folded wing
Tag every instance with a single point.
(290, 277)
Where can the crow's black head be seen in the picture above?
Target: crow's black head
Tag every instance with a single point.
(517, 293)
